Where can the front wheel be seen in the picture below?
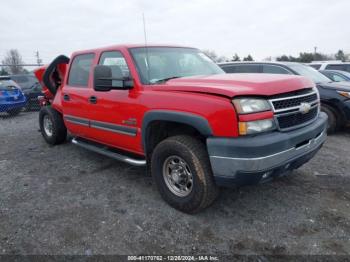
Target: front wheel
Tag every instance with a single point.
(332, 124)
(181, 169)
(52, 126)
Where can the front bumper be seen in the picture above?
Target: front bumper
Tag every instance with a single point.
(249, 160)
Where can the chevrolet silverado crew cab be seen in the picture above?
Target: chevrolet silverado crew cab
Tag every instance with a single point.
(175, 110)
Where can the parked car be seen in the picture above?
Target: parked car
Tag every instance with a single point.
(330, 65)
(174, 109)
(335, 97)
(31, 88)
(336, 75)
(12, 99)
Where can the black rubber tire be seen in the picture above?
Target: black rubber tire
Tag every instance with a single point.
(59, 130)
(194, 152)
(333, 122)
(14, 112)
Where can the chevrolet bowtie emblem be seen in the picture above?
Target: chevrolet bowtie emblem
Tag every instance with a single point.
(304, 108)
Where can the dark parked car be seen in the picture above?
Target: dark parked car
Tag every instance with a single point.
(335, 96)
(31, 88)
(337, 75)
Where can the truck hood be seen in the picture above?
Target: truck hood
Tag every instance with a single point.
(231, 85)
(343, 86)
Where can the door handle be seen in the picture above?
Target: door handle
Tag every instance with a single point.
(66, 97)
(93, 99)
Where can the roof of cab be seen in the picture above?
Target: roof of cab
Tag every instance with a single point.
(127, 46)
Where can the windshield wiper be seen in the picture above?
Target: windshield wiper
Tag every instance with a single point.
(165, 79)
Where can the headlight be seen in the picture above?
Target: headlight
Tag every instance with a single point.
(253, 127)
(251, 105)
(343, 93)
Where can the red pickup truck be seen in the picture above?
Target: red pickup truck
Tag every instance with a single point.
(175, 110)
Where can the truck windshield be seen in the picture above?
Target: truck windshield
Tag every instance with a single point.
(159, 64)
(310, 73)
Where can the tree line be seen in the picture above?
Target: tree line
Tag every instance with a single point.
(304, 57)
(13, 62)
(309, 57)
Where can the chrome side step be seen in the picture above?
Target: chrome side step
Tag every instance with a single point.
(104, 151)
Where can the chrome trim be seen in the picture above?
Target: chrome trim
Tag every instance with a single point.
(292, 97)
(295, 112)
(277, 112)
(296, 126)
(293, 107)
(103, 150)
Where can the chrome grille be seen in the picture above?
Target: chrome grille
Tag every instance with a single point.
(294, 111)
(292, 102)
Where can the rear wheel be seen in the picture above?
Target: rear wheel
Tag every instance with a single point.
(181, 169)
(333, 124)
(52, 126)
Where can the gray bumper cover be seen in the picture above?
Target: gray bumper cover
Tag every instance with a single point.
(265, 152)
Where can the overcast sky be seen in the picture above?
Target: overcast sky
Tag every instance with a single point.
(260, 28)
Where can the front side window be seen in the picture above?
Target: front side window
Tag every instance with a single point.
(80, 70)
(335, 67)
(20, 79)
(116, 61)
(155, 64)
(272, 69)
(338, 78)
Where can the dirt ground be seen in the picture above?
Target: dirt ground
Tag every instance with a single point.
(66, 200)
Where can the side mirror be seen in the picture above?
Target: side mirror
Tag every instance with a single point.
(103, 80)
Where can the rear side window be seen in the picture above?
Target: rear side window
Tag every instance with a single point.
(272, 69)
(116, 61)
(316, 66)
(80, 70)
(241, 68)
(335, 67)
(20, 79)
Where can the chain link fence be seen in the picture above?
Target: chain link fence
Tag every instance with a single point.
(18, 94)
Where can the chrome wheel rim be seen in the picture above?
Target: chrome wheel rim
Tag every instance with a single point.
(177, 176)
(48, 127)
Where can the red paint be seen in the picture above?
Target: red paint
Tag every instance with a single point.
(206, 96)
(256, 116)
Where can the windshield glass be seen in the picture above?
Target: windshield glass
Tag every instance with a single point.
(347, 74)
(25, 81)
(309, 72)
(155, 64)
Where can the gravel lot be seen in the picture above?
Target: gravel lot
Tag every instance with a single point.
(66, 200)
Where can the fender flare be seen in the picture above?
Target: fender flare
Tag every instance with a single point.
(196, 121)
(62, 59)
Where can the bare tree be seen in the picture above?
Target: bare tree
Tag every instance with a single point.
(212, 54)
(13, 62)
(236, 58)
(248, 58)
